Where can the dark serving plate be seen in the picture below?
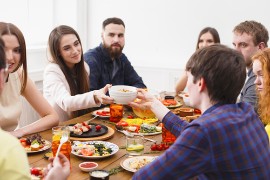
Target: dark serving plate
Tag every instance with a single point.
(92, 132)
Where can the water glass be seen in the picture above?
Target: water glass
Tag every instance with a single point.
(134, 145)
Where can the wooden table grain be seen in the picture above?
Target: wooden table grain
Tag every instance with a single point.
(38, 160)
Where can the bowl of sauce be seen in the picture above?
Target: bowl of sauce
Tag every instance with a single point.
(99, 175)
(88, 166)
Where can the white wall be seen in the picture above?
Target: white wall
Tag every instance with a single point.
(163, 33)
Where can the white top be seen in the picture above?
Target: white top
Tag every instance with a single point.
(56, 90)
(10, 103)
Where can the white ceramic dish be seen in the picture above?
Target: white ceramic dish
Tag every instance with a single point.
(47, 145)
(126, 164)
(123, 94)
(96, 113)
(83, 166)
(114, 148)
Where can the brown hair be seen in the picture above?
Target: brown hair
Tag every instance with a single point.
(223, 70)
(78, 84)
(113, 20)
(255, 29)
(11, 29)
(264, 97)
(212, 31)
(2, 55)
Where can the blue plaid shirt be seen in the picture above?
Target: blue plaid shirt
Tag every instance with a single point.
(103, 71)
(226, 142)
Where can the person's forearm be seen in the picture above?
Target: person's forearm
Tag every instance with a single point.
(159, 109)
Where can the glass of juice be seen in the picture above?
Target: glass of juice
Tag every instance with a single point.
(57, 134)
(134, 145)
(116, 112)
(167, 136)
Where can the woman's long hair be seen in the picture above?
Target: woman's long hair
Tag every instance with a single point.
(77, 78)
(264, 97)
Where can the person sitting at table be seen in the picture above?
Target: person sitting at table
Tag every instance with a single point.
(107, 62)
(65, 80)
(261, 70)
(227, 141)
(19, 84)
(207, 37)
(13, 159)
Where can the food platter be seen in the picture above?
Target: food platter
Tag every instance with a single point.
(178, 104)
(103, 113)
(113, 147)
(92, 132)
(128, 164)
(47, 145)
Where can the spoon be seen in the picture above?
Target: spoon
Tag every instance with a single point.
(63, 139)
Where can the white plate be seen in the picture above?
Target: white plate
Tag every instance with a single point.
(114, 148)
(47, 145)
(94, 113)
(126, 163)
(175, 106)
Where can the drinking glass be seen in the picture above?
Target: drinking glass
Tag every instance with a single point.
(57, 134)
(167, 136)
(116, 112)
(134, 145)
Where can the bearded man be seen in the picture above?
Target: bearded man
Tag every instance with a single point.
(108, 65)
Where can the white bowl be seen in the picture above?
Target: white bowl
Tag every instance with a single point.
(123, 94)
(88, 166)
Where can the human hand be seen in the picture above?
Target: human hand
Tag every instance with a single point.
(148, 101)
(144, 101)
(101, 97)
(18, 133)
(58, 168)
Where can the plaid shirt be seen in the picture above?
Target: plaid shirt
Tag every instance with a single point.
(226, 142)
(103, 71)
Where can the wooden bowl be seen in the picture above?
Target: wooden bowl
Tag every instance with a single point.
(183, 112)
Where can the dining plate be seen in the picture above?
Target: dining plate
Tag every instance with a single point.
(133, 164)
(100, 114)
(92, 132)
(175, 106)
(113, 147)
(145, 134)
(47, 145)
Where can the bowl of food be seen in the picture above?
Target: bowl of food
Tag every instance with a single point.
(88, 166)
(146, 113)
(183, 112)
(123, 94)
(99, 175)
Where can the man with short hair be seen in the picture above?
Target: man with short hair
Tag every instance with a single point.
(248, 38)
(108, 65)
(227, 141)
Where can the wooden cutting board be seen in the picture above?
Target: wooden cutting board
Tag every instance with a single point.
(99, 138)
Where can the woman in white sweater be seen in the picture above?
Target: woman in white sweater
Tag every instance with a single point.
(66, 82)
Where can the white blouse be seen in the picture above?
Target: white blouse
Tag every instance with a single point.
(56, 90)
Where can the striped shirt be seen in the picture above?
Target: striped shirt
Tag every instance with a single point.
(226, 142)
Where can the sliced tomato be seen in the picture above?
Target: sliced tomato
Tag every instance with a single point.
(122, 123)
(87, 152)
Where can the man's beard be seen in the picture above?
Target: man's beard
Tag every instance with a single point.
(114, 52)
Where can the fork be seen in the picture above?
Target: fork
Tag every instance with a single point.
(63, 139)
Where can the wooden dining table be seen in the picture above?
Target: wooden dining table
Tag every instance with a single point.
(108, 163)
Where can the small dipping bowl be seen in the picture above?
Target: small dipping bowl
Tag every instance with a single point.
(88, 166)
(99, 175)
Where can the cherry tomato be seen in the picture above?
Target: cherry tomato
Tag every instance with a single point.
(162, 146)
(166, 146)
(35, 171)
(159, 147)
(22, 140)
(154, 147)
(98, 127)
